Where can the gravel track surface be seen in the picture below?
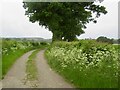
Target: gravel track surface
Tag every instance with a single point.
(47, 77)
(15, 76)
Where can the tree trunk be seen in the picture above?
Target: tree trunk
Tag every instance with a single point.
(56, 36)
(71, 38)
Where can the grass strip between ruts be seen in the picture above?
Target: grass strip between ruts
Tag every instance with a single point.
(31, 68)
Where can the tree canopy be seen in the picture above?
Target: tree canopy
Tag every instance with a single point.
(64, 19)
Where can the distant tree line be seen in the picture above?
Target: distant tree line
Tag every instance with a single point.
(108, 40)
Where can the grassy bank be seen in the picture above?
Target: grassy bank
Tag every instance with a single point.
(9, 59)
(86, 64)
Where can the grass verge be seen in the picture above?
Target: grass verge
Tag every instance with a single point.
(11, 58)
(31, 68)
(86, 64)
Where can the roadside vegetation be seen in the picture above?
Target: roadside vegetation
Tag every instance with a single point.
(85, 63)
(31, 68)
(12, 49)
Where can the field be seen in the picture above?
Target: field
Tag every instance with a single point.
(86, 64)
(12, 49)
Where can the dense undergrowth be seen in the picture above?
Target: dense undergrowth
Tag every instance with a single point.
(86, 64)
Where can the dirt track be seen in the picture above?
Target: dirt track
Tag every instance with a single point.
(47, 78)
(0, 85)
(15, 76)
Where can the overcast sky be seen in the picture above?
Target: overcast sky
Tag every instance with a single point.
(13, 22)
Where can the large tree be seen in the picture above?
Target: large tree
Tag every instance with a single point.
(63, 19)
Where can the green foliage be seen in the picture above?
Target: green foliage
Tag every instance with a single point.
(105, 39)
(119, 41)
(86, 64)
(63, 19)
(43, 43)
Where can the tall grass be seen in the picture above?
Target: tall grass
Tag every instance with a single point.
(86, 64)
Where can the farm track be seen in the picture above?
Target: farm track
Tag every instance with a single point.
(47, 78)
(15, 76)
(0, 85)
